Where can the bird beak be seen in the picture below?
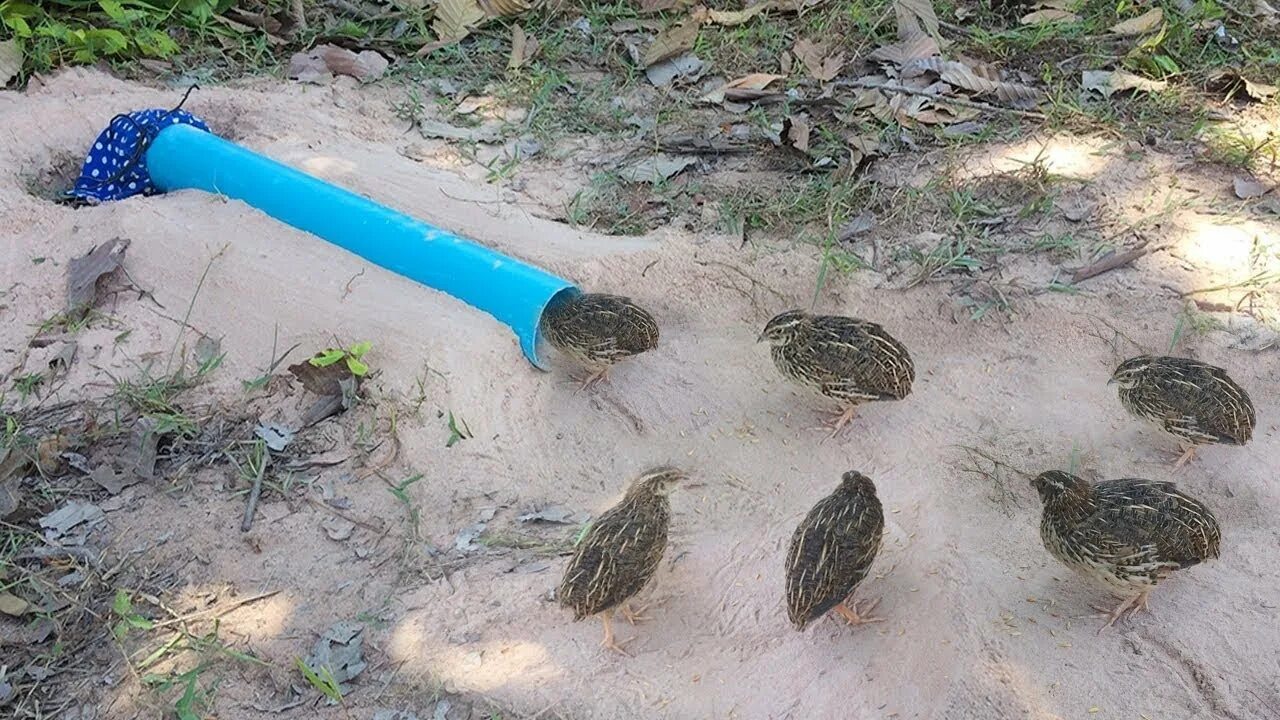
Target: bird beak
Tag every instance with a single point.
(760, 337)
(1112, 381)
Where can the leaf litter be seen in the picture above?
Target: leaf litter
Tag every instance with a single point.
(83, 274)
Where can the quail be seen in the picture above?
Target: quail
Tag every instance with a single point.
(598, 330)
(620, 551)
(1127, 534)
(851, 361)
(832, 551)
(1195, 402)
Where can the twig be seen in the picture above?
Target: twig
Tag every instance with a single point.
(974, 104)
(215, 611)
(1111, 261)
(254, 493)
(351, 519)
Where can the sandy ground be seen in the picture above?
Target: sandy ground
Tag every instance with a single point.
(980, 622)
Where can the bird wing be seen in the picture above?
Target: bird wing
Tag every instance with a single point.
(861, 357)
(1200, 399)
(1151, 521)
(830, 553)
(615, 559)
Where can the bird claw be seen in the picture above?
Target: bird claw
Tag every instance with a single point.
(634, 616)
(854, 617)
(1133, 605)
(594, 379)
(839, 422)
(1187, 455)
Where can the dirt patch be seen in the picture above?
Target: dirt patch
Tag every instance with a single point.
(403, 515)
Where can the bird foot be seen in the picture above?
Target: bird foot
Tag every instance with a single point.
(1131, 605)
(1187, 454)
(610, 642)
(839, 422)
(594, 378)
(854, 617)
(635, 615)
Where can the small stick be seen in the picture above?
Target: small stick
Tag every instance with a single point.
(254, 493)
(1109, 262)
(217, 612)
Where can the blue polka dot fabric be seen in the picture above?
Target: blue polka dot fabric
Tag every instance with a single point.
(116, 167)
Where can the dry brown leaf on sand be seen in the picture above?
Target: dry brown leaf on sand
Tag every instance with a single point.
(1108, 82)
(455, 18)
(504, 8)
(1145, 22)
(84, 272)
(753, 83)
(729, 18)
(983, 80)
(1049, 15)
(1248, 188)
(821, 66)
(673, 41)
(524, 47)
(915, 16)
(653, 6)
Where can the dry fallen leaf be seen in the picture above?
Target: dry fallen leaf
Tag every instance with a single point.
(729, 18)
(1107, 82)
(656, 168)
(795, 132)
(323, 61)
(652, 6)
(503, 8)
(753, 83)
(915, 17)
(1049, 15)
(821, 66)
(981, 79)
(83, 274)
(10, 61)
(524, 47)
(1248, 188)
(673, 41)
(900, 53)
(1145, 22)
(685, 67)
(455, 18)
(473, 103)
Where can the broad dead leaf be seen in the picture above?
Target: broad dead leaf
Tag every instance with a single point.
(820, 66)
(83, 274)
(503, 8)
(900, 53)
(524, 47)
(656, 168)
(729, 18)
(10, 61)
(322, 62)
(1248, 188)
(1049, 15)
(322, 380)
(914, 17)
(753, 83)
(474, 103)
(455, 18)
(673, 41)
(795, 133)
(981, 79)
(652, 6)
(685, 67)
(1145, 22)
(1108, 82)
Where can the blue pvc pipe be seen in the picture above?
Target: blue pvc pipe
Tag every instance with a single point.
(182, 157)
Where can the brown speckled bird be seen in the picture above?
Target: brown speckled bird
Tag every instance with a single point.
(598, 330)
(620, 551)
(832, 550)
(851, 361)
(1125, 534)
(1195, 402)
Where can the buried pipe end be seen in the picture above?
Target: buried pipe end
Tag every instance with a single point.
(531, 337)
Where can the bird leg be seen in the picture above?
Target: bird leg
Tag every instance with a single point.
(609, 641)
(634, 615)
(1188, 454)
(598, 376)
(853, 617)
(838, 423)
(1131, 604)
